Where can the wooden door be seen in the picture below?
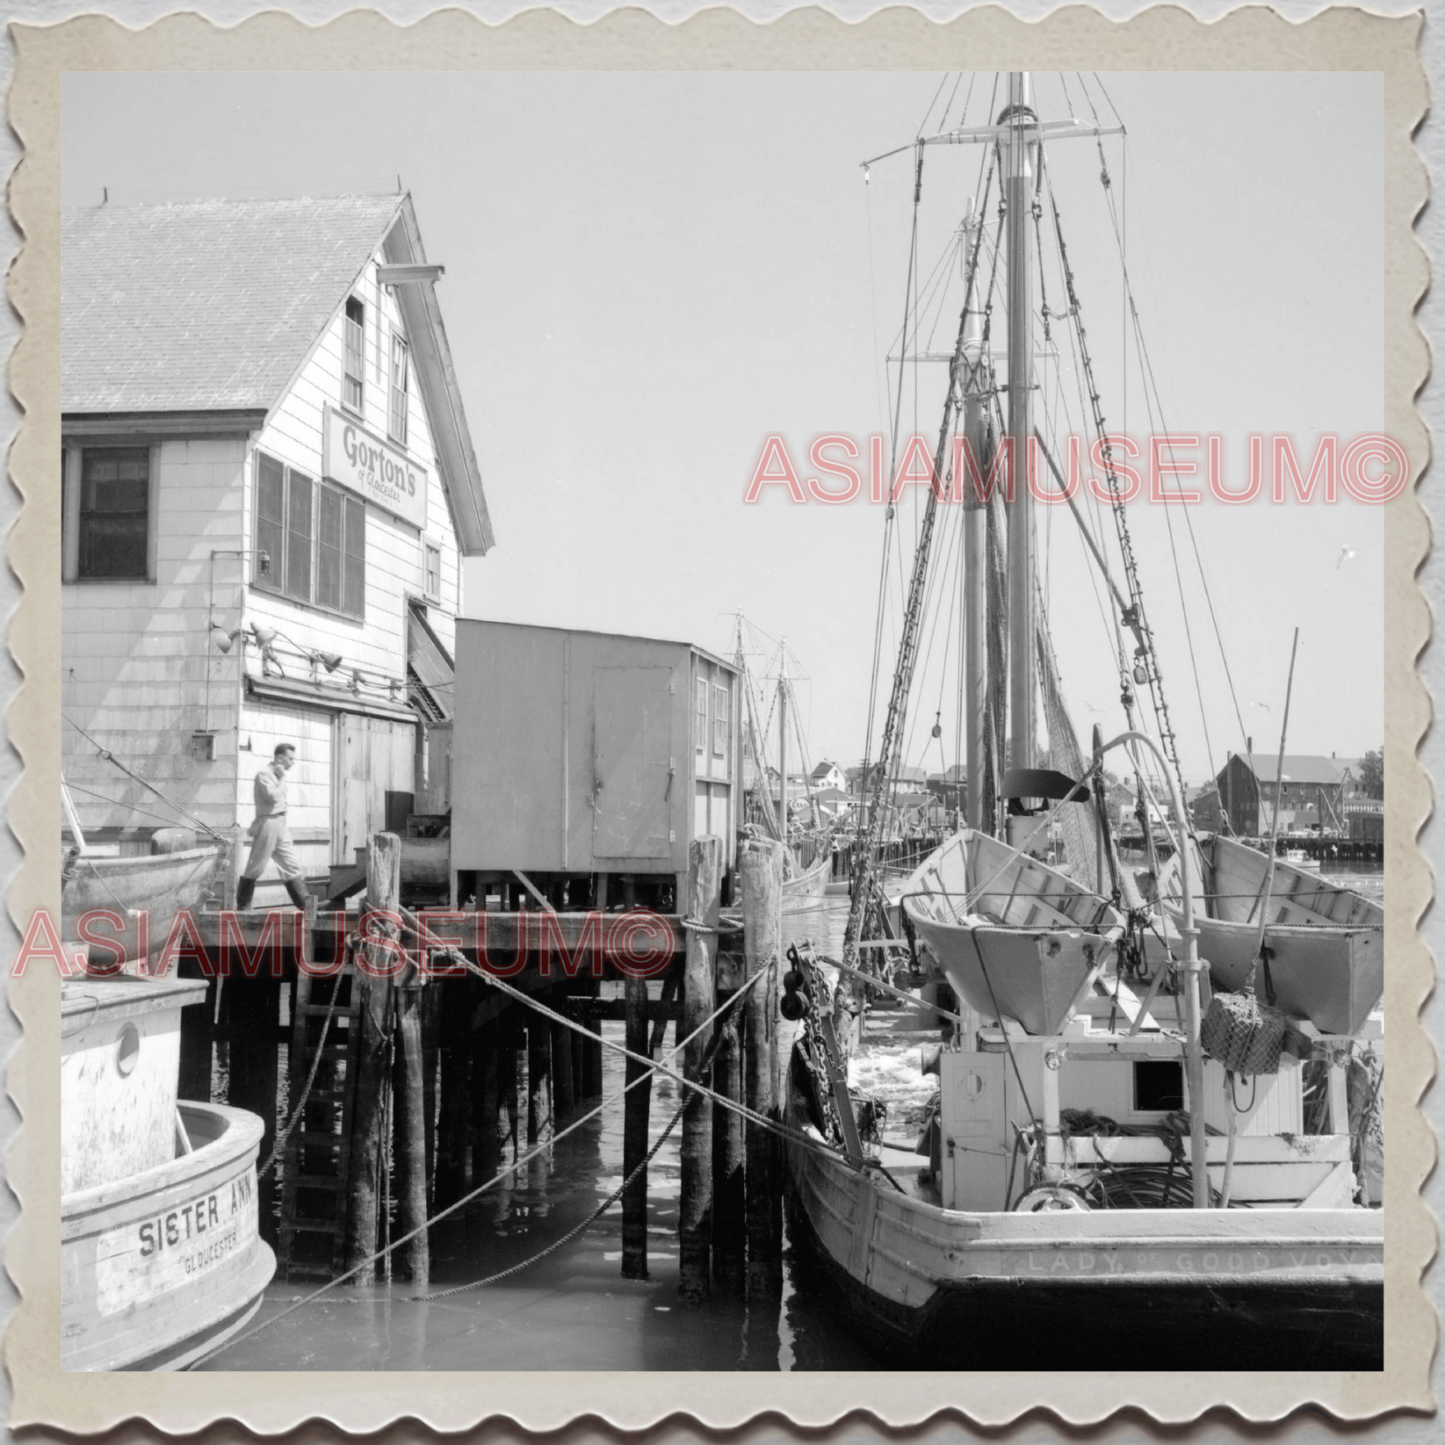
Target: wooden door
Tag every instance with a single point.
(634, 768)
(373, 756)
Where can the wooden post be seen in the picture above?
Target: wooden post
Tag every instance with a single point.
(455, 1127)
(729, 1216)
(636, 1108)
(255, 1017)
(374, 984)
(699, 988)
(762, 872)
(578, 1043)
(592, 1048)
(486, 1048)
(430, 1010)
(511, 1041)
(197, 1029)
(539, 1079)
(410, 1104)
(564, 1094)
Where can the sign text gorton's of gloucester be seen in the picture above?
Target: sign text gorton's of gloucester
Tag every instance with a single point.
(377, 470)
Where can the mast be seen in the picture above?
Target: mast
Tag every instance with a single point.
(975, 545)
(783, 740)
(1017, 148)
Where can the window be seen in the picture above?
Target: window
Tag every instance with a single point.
(396, 412)
(352, 391)
(700, 727)
(314, 537)
(1158, 1086)
(720, 721)
(114, 513)
(433, 572)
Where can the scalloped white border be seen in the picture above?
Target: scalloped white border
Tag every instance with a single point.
(1248, 39)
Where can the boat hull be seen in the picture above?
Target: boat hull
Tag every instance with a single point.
(139, 897)
(1103, 1289)
(812, 882)
(162, 1266)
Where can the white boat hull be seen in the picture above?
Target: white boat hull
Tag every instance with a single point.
(164, 1265)
(1091, 1289)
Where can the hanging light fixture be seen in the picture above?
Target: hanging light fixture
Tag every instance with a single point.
(221, 640)
(264, 636)
(329, 660)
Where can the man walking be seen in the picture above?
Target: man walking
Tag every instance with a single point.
(269, 838)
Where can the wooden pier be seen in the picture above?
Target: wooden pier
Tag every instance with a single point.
(422, 1080)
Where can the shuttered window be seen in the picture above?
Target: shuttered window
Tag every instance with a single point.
(720, 721)
(114, 512)
(314, 537)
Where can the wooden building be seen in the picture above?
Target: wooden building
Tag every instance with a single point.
(580, 754)
(1308, 791)
(269, 488)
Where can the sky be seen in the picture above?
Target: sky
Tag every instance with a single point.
(647, 275)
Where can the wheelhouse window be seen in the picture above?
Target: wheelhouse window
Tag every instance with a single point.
(352, 386)
(314, 537)
(114, 513)
(400, 369)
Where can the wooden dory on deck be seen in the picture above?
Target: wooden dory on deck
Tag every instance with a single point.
(1015, 938)
(1325, 944)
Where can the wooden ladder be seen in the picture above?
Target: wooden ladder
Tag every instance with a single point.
(315, 1185)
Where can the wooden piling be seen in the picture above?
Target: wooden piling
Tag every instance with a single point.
(412, 1259)
(510, 1055)
(539, 1079)
(636, 1109)
(699, 989)
(374, 986)
(729, 1215)
(430, 1067)
(486, 1100)
(454, 1128)
(564, 1093)
(254, 1027)
(761, 865)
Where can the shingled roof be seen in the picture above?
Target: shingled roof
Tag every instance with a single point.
(1298, 768)
(204, 305)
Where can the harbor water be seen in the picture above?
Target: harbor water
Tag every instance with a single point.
(571, 1309)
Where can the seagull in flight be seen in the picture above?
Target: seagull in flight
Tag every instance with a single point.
(1346, 553)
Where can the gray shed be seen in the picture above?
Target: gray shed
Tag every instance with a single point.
(583, 753)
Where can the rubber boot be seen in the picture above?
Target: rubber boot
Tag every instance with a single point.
(245, 890)
(299, 895)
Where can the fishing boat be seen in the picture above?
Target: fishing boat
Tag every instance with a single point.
(120, 909)
(1095, 1169)
(1323, 945)
(160, 1257)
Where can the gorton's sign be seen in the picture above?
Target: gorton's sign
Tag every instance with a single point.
(377, 470)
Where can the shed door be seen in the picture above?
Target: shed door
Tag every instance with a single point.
(632, 762)
(373, 757)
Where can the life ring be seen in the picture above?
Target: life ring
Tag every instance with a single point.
(1050, 1198)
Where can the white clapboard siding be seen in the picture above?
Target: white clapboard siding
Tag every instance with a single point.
(136, 654)
(308, 784)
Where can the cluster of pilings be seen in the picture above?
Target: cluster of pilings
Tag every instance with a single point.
(450, 1078)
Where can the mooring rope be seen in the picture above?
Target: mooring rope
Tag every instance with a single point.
(650, 1068)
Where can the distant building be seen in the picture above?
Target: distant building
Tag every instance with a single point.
(1308, 791)
(829, 775)
(268, 491)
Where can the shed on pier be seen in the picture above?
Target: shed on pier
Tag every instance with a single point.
(584, 753)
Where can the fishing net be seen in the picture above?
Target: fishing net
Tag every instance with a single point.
(1245, 1036)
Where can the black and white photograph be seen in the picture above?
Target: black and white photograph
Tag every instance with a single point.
(724, 721)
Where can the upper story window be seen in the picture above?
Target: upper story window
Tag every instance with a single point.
(433, 579)
(314, 537)
(720, 721)
(352, 388)
(113, 514)
(397, 411)
(700, 707)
